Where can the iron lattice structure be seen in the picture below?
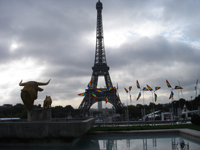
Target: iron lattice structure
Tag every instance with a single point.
(100, 68)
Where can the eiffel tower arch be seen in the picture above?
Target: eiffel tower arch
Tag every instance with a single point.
(100, 68)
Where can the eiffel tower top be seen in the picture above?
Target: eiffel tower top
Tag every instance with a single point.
(100, 56)
(99, 5)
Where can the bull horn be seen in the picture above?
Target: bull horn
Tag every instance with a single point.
(22, 84)
(40, 83)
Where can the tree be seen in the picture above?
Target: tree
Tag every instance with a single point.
(16, 111)
(134, 112)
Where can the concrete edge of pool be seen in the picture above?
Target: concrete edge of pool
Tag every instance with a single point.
(190, 132)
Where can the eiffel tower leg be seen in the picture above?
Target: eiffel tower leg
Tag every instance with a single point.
(114, 100)
(94, 81)
(108, 80)
(84, 106)
(87, 102)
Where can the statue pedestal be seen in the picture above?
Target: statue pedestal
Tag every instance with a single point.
(38, 114)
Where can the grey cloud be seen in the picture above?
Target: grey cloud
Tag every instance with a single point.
(193, 32)
(178, 12)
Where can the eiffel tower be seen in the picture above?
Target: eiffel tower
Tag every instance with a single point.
(100, 68)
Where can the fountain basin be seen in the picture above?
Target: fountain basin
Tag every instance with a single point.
(38, 130)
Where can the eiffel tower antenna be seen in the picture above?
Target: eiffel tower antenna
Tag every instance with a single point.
(100, 68)
(100, 56)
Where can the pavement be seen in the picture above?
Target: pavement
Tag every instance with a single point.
(190, 132)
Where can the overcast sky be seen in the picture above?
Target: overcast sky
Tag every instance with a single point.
(148, 41)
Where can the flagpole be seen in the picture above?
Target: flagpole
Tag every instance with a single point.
(171, 96)
(179, 100)
(143, 108)
(127, 100)
(196, 92)
(127, 109)
(197, 87)
(172, 109)
(172, 117)
(153, 109)
(181, 89)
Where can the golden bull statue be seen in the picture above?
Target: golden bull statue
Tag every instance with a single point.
(30, 92)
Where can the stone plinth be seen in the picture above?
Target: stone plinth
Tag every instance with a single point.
(38, 114)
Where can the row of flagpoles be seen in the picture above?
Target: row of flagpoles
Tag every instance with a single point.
(148, 88)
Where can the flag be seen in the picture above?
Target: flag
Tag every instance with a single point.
(145, 89)
(126, 90)
(155, 97)
(137, 83)
(107, 99)
(169, 86)
(130, 99)
(157, 88)
(111, 88)
(89, 84)
(130, 87)
(82, 94)
(150, 89)
(178, 87)
(139, 96)
(93, 94)
(171, 95)
(98, 90)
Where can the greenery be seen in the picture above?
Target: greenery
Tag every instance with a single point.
(18, 111)
(126, 128)
(62, 112)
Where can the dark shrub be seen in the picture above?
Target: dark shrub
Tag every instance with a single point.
(195, 119)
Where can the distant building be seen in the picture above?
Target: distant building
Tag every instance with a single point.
(100, 105)
(164, 116)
